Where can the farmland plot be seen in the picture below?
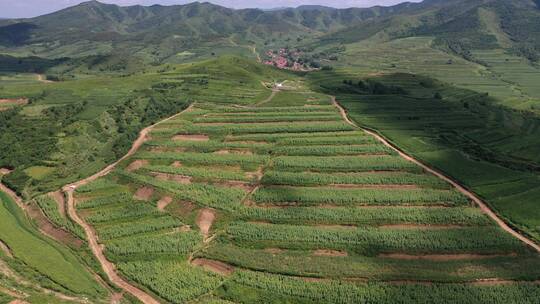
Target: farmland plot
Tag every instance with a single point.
(305, 209)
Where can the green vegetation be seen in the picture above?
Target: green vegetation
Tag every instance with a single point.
(304, 206)
(174, 281)
(51, 211)
(46, 261)
(248, 286)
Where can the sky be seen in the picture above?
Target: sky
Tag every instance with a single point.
(32, 8)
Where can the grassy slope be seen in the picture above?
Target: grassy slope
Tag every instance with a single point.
(54, 265)
(487, 149)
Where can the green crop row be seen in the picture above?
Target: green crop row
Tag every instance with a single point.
(201, 173)
(99, 184)
(285, 136)
(367, 178)
(332, 150)
(304, 263)
(269, 118)
(207, 146)
(123, 212)
(141, 226)
(246, 161)
(267, 128)
(335, 196)
(176, 282)
(271, 114)
(344, 164)
(373, 241)
(165, 244)
(50, 209)
(367, 216)
(265, 288)
(327, 140)
(105, 201)
(275, 109)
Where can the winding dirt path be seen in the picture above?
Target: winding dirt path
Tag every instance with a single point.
(91, 236)
(274, 93)
(483, 206)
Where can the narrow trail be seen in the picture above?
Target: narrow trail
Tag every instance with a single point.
(274, 93)
(254, 50)
(91, 236)
(41, 78)
(483, 206)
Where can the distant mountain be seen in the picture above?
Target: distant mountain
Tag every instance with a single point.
(157, 33)
(160, 31)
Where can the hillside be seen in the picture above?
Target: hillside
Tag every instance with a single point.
(311, 155)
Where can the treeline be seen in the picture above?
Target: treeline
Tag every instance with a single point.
(152, 105)
(33, 141)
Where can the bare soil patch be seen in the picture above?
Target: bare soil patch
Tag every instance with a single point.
(181, 179)
(17, 101)
(237, 151)
(136, 165)
(192, 137)
(274, 250)
(18, 301)
(492, 282)
(44, 225)
(59, 198)
(5, 249)
(167, 149)
(236, 184)
(336, 226)
(164, 202)
(214, 266)
(442, 257)
(144, 194)
(176, 164)
(205, 219)
(4, 171)
(330, 253)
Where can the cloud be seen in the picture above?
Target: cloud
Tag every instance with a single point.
(31, 8)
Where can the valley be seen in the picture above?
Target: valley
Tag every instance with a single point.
(200, 154)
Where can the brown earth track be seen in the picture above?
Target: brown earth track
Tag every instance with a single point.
(214, 266)
(136, 165)
(330, 253)
(49, 229)
(18, 101)
(483, 206)
(91, 236)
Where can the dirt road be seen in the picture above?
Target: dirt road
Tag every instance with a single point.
(483, 206)
(97, 250)
(91, 236)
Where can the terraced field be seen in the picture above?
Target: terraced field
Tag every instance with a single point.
(288, 203)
